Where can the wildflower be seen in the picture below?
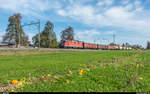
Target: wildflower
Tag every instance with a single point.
(42, 77)
(20, 84)
(68, 81)
(23, 80)
(14, 82)
(56, 77)
(141, 78)
(48, 75)
(81, 72)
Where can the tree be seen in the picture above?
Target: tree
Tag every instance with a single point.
(137, 46)
(67, 34)
(14, 32)
(123, 45)
(148, 45)
(127, 44)
(48, 37)
(113, 44)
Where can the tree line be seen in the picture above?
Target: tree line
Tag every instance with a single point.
(48, 39)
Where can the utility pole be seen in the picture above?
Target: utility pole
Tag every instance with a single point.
(114, 36)
(94, 41)
(19, 35)
(39, 34)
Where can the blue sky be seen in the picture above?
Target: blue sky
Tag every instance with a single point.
(92, 20)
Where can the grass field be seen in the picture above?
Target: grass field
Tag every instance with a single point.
(90, 71)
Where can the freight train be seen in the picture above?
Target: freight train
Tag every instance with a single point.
(83, 45)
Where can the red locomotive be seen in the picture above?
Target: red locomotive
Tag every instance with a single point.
(71, 44)
(79, 44)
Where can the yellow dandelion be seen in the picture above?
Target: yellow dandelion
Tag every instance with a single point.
(48, 75)
(68, 81)
(20, 84)
(81, 72)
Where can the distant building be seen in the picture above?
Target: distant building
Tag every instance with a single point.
(6, 45)
(148, 45)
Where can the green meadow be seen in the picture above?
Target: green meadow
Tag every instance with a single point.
(102, 71)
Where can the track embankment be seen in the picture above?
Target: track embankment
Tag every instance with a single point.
(32, 51)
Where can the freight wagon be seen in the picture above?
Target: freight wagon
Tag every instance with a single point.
(90, 46)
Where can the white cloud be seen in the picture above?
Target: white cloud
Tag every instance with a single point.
(109, 32)
(29, 7)
(105, 2)
(87, 35)
(61, 12)
(130, 17)
(91, 32)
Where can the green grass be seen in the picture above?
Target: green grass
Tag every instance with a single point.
(116, 77)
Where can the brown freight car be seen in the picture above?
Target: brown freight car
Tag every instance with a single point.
(90, 46)
(103, 47)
